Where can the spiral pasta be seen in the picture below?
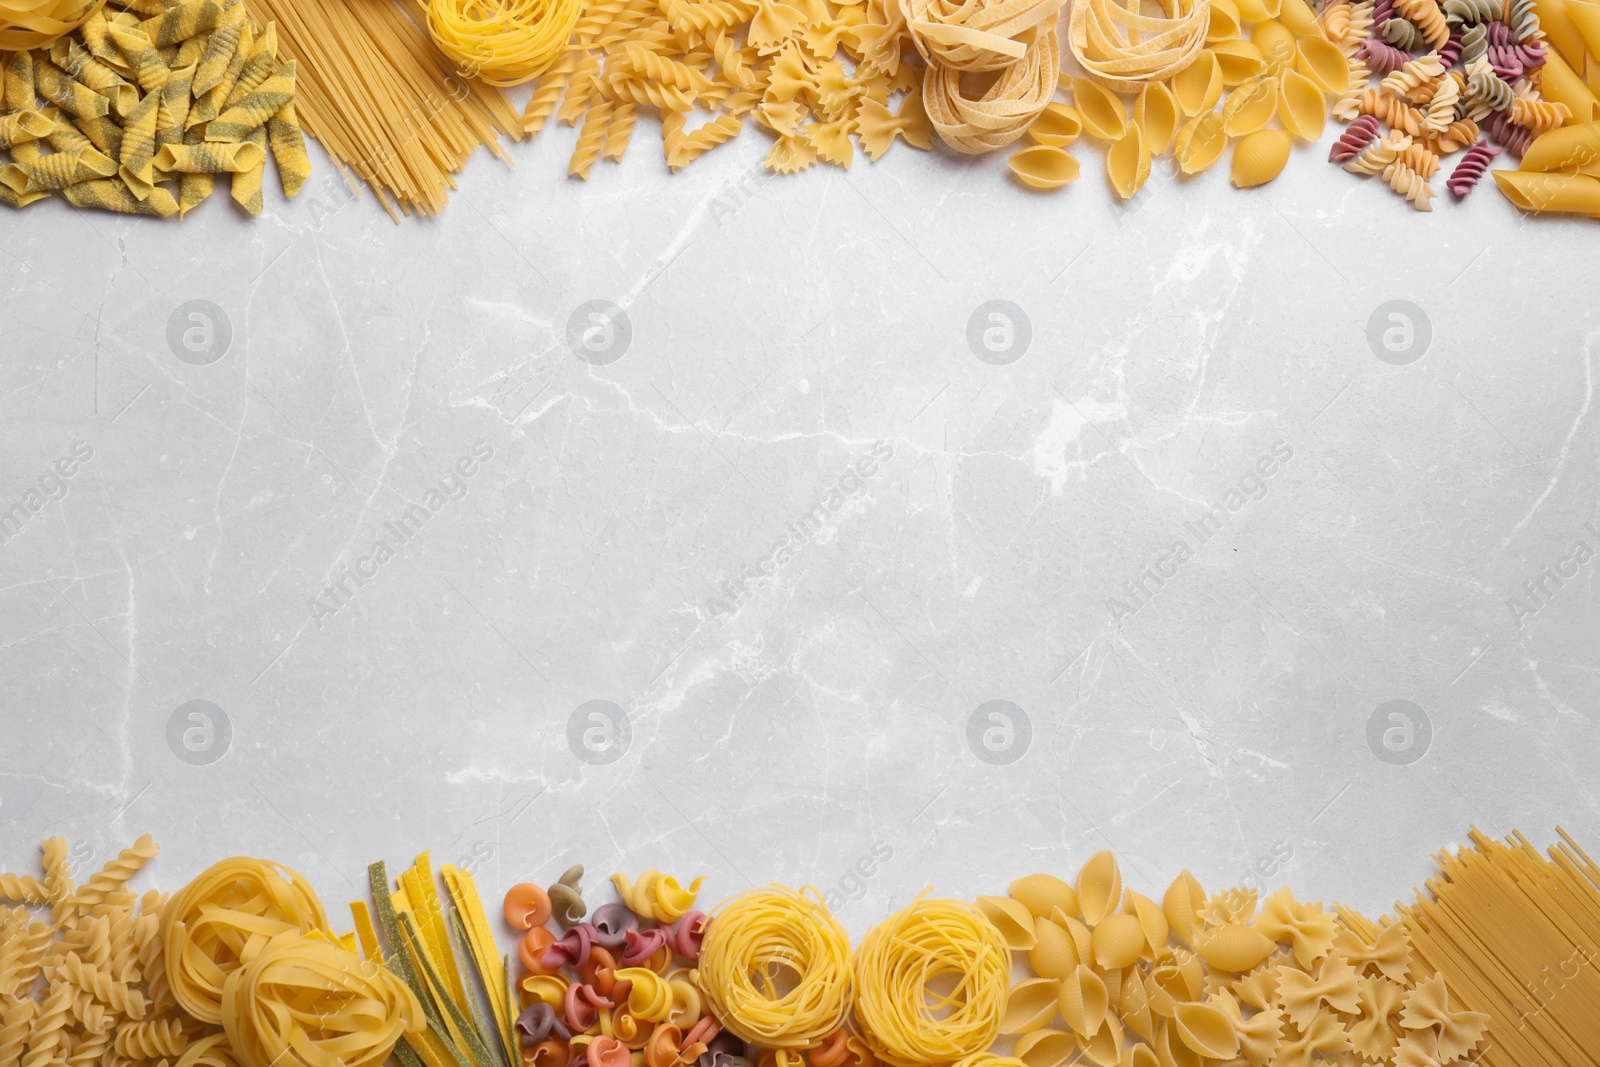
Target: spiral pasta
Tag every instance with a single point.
(502, 42)
(223, 919)
(904, 1020)
(766, 935)
(304, 1001)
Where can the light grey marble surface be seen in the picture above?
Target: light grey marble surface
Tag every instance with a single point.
(780, 332)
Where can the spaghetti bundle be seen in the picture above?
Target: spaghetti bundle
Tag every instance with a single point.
(503, 42)
(775, 968)
(931, 983)
(34, 24)
(1517, 936)
(383, 101)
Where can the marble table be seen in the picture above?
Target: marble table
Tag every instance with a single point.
(872, 529)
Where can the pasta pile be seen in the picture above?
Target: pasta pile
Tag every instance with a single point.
(1494, 964)
(932, 983)
(82, 978)
(1256, 74)
(383, 101)
(1518, 935)
(775, 967)
(32, 25)
(151, 95)
(812, 75)
(619, 989)
(1447, 74)
(503, 42)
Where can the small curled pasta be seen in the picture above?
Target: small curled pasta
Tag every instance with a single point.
(151, 1040)
(1428, 18)
(1540, 116)
(1409, 184)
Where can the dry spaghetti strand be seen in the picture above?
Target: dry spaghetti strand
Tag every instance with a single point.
(1516, 935)
(380, 98)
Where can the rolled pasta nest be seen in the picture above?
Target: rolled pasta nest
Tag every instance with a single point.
(34, 24)
(1006, 108)
(931, 983)
(502, 42)
(775, 968)
(1124, 49)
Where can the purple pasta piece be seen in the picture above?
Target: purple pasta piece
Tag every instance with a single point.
(1471, 168)
(640, 945)
(1532, 55)
(1382, 57)
(538, 1022)
(1498, 33)
(1516, 139)
(611, 924)
(1450, 51)
(1506, 61)
(1354, 140)
(1382, 11)
(571, 949)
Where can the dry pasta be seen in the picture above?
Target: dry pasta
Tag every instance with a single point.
(905, 1015)
(502, 42)
(775, 968)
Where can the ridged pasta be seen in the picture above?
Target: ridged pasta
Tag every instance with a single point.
(155, 1039)
(1540, 116)
(1428, 18)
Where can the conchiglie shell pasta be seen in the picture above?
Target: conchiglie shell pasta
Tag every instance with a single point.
(1156, 113)
(1260, 157)
(1054, 955)
(1239, 61)
(1206, 1030)
(1134, 1007)
(1041, 167)
(1151, 921)
(1249, 107)
(1118, 942)
(1105, 1048)
(1199, 143)
(1009, 916)
(1084, 1001)
(1301, 105)
(1099, 887)
(1058, 125)
(1224, 25)
(1258, 10)
(1139, 1056)
(1042, 894)
(1181, 903)
(1298, 16)
(1171, 1051)
(1276, 42)
(1322, 62)
(1032, 1003)
(1128, 167)
(1100, 110)
(1081, 938)
(1199, 86)
(1046, 1048)
(1234, 947)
